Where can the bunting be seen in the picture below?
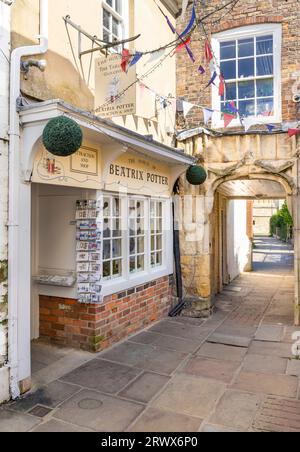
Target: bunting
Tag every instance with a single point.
(125, 59)
(228, 119)
(212, 80)
(187, 106)
(293, 132)
(208, 52)
(207, 112)
(190, 24)
(136, 57)
(221, 86)
(201, 69)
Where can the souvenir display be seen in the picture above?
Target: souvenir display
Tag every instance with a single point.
(89, 248)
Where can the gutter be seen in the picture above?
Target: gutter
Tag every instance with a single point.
(14, 241)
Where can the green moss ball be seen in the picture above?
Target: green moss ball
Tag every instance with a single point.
(62, 136)
(196, 175)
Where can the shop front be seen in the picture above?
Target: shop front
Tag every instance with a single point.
(98, 229)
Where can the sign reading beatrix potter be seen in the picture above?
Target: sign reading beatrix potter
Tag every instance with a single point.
(139, 175)
(112, 98)
(82, 169)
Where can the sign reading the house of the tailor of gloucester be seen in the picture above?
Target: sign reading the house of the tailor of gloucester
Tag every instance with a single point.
(115, 93)
(140, 176)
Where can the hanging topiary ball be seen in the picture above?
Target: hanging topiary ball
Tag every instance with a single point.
(62, 136)
(196, 175)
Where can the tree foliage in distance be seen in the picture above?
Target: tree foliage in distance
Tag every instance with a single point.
(282, 221)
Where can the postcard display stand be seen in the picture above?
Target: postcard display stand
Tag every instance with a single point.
(89, 251)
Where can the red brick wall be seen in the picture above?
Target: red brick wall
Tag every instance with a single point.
(95, 327)
(191, 85)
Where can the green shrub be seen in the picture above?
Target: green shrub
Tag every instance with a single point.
(283, 221)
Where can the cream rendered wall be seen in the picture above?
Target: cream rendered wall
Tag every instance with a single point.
(4, 93)
(63, 78)
(239, 245)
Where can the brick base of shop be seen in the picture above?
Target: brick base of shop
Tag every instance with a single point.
(66, 322)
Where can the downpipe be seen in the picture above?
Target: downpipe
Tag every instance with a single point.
(14, 242)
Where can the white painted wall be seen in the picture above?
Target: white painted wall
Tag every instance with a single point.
(4, 97)
(239, 246)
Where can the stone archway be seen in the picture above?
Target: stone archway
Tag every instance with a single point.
(197, 234)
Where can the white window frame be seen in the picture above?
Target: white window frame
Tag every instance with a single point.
(249, 32)
(123, 18)
(130, 280)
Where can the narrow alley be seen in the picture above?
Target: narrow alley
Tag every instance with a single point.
(232, 372)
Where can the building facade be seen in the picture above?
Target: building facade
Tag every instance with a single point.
(262, 213)
(240, 95)
(90, 235)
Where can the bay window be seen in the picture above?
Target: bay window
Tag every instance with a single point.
(249, 60)
(137, 247)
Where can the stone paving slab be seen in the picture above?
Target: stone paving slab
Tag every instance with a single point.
(49, 396)
(279, 385)
(146, 357)
(12, 422)
(55, 426)
(281, 350)
(265, 364)
(211, 428)
(155, 420)
(99, 412)
(223, 352)
(270, 333)
(293, 367)
(168, 342)
(236, 410)
(178, 329)
(191, 396)
(211, 368)
(227, 339)
(145, 387)
(278, 415)
(103, 376)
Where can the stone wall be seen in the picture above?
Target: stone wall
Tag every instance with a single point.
(95, 327)
(192, 86)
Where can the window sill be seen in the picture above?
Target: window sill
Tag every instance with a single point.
(120, 285)
(219, 124)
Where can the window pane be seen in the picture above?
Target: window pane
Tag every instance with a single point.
(265, 107)
(153, 259)
(264, 65)
(140, 209)
(228, 69)
(106, 36)
(265, 88)
(140, 245)
(152, 226)
(246, 90)
(118, 6)
(159, 242)
(116, 207)
(117, 268)
(230, 91)
(246, 47)
(247, 107)
(158, 225)
(117, 228)
(132, 246)
(106, 269)
(115, 26)
(106, 207)
(116, 248)
(228, 50)
(159, 210)
(106, 19)
(132, 227)
(106, 249)
(246, 68)
(106, 228)
(264, 45)
(132, 264)
(140, 263)
(153, 243)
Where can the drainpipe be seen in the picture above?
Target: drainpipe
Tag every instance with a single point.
(14, 241)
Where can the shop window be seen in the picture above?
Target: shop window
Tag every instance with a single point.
(137, 236)
(156, 231)
(112, 238)
(136, 246)
(249, 59)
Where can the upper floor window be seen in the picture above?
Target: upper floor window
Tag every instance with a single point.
(113, 20)
(249, 60)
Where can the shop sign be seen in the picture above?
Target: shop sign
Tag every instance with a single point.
(82, 169)
(139, 175)
(114, 95)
